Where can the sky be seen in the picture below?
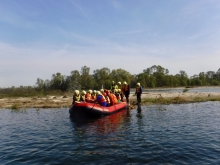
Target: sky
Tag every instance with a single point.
(42, 37)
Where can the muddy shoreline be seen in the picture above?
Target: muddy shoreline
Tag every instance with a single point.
(147, 98)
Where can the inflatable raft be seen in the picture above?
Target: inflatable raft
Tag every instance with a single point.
(96, 109)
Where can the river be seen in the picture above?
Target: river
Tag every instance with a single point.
(159, 134)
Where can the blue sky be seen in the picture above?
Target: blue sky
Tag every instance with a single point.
(42, 37)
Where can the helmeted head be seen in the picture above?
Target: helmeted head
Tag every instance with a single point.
(83, 93)
(119, 90)
(76, 92)
(116, 90)
(89, 91)
(94, 91)
(138, 84)
(98, 92)
(119, 83)
(125, 83)
(101, 90)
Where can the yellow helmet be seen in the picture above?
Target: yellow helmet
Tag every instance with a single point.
(83, 92)
(119, 90)
(116, 90)
(125, 82)
(90, 91)
(101, 90)
(98, 92)
(77, 92)
(119, 82)
(138, 84)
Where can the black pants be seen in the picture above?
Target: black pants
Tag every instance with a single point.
(139, 98)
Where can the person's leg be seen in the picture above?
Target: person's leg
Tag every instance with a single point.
(138, 98)
(127, 99)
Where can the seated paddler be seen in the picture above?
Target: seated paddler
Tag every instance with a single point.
(101, 99)
(88, 96)
(76, 97)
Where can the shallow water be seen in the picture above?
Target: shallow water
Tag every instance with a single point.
(172, 90)
(172, 134)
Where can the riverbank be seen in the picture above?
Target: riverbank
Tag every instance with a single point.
(147, 98)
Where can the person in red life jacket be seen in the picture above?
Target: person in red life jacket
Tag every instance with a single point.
(138, 92)
(103, 92)
(93, 96)
(126, 91)
(76, 97)
(112, 98)
(101, 99)
(108, 101)
(88, 96)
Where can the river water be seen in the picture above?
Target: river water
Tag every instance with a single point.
(172, 90)
(159, 134)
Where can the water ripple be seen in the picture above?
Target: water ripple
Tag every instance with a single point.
(160, 134)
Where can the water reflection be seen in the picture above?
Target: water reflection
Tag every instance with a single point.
(139, 108)
(100, 124)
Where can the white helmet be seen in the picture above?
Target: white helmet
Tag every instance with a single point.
(101, 90)
(83, 92)
(119, 90)
(77, 92)
(98, 93)
(119, 82)
(90, 91)
(138, 84)
(94, 91)
(125, 82)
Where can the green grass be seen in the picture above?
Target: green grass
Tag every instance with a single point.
(14, 106)
(176, 100)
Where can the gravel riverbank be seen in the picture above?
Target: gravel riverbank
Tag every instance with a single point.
(147, 98)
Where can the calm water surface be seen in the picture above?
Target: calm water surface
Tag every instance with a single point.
(171, 90)
(160, 134)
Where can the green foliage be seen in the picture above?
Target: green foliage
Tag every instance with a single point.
(14, 106)
(154, 76)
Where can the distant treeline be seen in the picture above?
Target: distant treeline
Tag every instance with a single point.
(155, 76)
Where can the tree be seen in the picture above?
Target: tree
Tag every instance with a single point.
(102, 77)
(56, 81)
(75, 80)
(183, 77)
(86, 80)
(156, 69)
(40, 84)
(144, 79)
(120, 75)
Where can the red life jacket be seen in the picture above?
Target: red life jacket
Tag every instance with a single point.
(88, 97)
(93, 97)
(107, 99)
(112, 98)
(126, 88)
(138, 89)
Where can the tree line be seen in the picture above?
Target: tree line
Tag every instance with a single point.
(154, 76)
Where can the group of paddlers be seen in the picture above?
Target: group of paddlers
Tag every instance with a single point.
(107, 97)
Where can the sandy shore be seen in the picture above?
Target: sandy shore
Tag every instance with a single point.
(147, 98)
